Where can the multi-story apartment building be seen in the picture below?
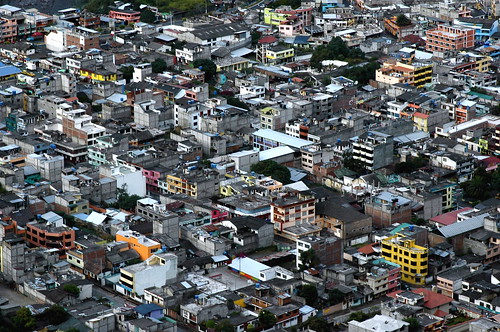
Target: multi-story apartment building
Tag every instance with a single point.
(86, 258)
(383, 277)
(128, 16)
(328, 250)
(374, 149)
(400, 32)
(412, 258)
(275, 118)
(280, 14)
(278, 54)
(292, 210)
(145, 247)
(387, 209)
(82, 38)
(156, 271)
(416, 74)
(79, 126)
(449, 38)
(193, 183)
(50, 232)
(101, 152)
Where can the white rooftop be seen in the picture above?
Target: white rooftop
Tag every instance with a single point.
(275, 152)
(380, 323)
(248, 266)
(282, 138)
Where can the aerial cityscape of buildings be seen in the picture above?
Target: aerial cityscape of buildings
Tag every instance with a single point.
(245, 166)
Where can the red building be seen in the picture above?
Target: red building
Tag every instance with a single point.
(129, 16)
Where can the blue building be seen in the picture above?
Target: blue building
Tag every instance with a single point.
(485, 29)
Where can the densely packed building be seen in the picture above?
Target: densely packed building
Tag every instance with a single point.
(250, 166)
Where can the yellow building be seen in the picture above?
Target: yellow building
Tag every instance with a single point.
(413, 74)
(412, 258)
(232, 64)
(279, 53)
(274, 18)
(420, 121)
(177, 185)
(99, 75)
(236, 185)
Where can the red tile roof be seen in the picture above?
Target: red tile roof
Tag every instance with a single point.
(367, 250)
(268, 40)
(420, 115)
(432, 300)
(440, 313)
(449, 218)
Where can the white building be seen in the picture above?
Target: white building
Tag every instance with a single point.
(379, 323)
(156, 271)
(141, 71)
(130, 179)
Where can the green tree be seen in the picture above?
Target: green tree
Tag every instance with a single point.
(128, 72)
(310, 294)
(318, 324)
(410, 166)
(358, 316)
(414, 325)
(206, 65)
(273, 169)
(125, 201)
(354, 165)
(159, 65)
(237, 103)
(24, 320)
(55, 314)
(72, 289)
(83, 98)
(266, 319)
(362, 73)
(335, 296)
(336, 49)
(147, 16)
(308, 259)
(402, 20)
(224, 326)
(479, 187)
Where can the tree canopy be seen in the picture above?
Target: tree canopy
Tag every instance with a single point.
(310, 294)
(55, 314)
(158, 65)
(206, 65)
(402, 20)
(273, 169)
(128, 72)
(483, 185)
(336, 49)
(266, 319)
(125, 201)
(308, 259)
(24, 320)
(147, 16)
(362, 73)
(292, 3)
(71, 288)
(410, 166)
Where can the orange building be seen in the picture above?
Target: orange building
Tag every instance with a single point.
(145, 247)
(50, 235)
(449, 38)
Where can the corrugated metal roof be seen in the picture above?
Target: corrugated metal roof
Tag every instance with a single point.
(463, 226)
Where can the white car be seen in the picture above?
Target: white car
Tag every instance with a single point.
(18, 64)
(6, 61)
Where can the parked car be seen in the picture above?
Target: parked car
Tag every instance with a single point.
(6, 61)
(18, 64)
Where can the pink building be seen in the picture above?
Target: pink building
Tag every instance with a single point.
(152, 176)
(292, 26)
(129, 16)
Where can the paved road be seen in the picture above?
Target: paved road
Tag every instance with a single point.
(14, 296)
